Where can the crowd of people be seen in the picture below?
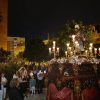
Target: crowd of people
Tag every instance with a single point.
(63, 84)
(58, 78)
(24, 81)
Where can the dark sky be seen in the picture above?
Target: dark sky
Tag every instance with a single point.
(39, 16)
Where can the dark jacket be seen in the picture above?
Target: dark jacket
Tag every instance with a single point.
(14, 94)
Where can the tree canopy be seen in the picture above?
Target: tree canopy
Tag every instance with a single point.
(68, 29)
(4, 54)
(36, 50)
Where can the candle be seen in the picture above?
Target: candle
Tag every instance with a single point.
(54, 43)
(91, 44)
(73, 38)
(54, 48)
(90, 49)
(99, 50)
(57, 50)
(66, 53)
(86, 52)
(49, 50)
(95, 50)
(67, 44)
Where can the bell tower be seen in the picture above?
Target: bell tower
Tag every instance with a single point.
(3, 23)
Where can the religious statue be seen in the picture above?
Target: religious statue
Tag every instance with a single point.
(79, 37)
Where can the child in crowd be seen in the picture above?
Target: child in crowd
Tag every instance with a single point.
(32, 84)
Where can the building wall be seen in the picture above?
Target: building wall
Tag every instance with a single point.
(3, 23)
(15, 45)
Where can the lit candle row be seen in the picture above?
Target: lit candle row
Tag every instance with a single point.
(97, 49)
(91, 52)
(68, 54)
(54, 49)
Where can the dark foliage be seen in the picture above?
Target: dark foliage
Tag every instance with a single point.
(36, 50)
(3, 54)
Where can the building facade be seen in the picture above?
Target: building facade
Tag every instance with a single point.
(3, 23)
(15, 45)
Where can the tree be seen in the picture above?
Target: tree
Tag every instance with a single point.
(64, 36)
(36, 50)
(4, 54)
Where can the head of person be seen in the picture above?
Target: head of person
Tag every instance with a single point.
(2, 74)
(54, 74)
(67, 69)
(32, 77)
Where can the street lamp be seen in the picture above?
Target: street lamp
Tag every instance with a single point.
(54, 50)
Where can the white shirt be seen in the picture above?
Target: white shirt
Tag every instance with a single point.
(3, 80)
(39, 75)
(15, 76)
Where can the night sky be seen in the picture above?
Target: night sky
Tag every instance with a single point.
(41, 17)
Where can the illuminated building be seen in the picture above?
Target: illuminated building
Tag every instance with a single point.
(15, 45)
(3, 23)
(96, 35)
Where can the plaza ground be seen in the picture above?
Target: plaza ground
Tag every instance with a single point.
(36, 96)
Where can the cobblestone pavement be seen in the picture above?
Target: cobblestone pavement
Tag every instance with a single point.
(36, 96)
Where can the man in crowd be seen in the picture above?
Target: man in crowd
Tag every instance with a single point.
(40, 81)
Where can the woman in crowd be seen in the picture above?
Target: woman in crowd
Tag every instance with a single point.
(55, 89)
(14, 92)
(0, 88)
(0, 81)
(3, 85)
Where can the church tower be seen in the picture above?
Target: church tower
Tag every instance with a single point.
(3, 23)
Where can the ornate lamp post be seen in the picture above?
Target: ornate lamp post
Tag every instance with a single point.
(54, 49)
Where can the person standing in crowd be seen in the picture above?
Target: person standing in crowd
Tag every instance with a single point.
(55, 89)
(14, 92)
(40, 81)
(32, 83)
(0, 89)
(3, 85)
(15, 75)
